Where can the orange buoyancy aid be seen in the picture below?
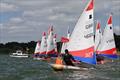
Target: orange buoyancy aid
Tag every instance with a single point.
(59, 60)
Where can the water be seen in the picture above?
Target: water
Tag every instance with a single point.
(29, 69)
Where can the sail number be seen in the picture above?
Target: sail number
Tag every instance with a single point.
(89, 34)
(109, 41)
(89, 26)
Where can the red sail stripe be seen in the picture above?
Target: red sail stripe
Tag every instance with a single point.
(51, 52)
(98, 25)
(64, 39)
(44, 34)
(90, 6)
(110, 20)
(83, 53)
(43, 52)
(110, 51)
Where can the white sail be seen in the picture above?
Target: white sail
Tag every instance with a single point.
(98, 35)
(68, 33)
(64, 45)
(55, 43)
(43, 46)
(50, 43)
(107, 46)
(37, 48)
(81, 43)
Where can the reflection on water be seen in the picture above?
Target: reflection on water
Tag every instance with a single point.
(29, 69)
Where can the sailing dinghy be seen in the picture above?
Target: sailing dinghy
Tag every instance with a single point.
(50, 44)
(107, 46)
(37, 50)
(81, 42)
(40, 50)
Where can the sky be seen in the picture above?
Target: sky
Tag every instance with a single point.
(25, 20)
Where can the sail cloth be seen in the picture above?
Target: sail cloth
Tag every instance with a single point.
(43, 46)
(50, 44)
(55, 43)
(81, 42)
(98, 36)
(37, 49)
(107, 47)
(65, 41)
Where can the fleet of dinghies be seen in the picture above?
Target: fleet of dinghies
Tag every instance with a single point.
(47, 47)
(81, 44)
(40, 50)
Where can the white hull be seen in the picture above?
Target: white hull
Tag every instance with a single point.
(61, 67)
(20, 56)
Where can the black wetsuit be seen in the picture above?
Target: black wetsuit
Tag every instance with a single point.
(68, 59)
(99, 57)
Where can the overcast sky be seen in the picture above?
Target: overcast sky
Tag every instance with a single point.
(25, 20)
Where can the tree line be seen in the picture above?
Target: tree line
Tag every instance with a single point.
(30, 46)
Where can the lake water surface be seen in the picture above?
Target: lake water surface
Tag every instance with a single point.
(29, 69)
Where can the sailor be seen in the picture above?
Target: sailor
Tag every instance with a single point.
(100, 59)
(68, 58)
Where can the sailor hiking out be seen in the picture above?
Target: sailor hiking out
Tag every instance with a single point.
(68, 58)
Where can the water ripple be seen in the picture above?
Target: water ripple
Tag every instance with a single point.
(29, 69)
